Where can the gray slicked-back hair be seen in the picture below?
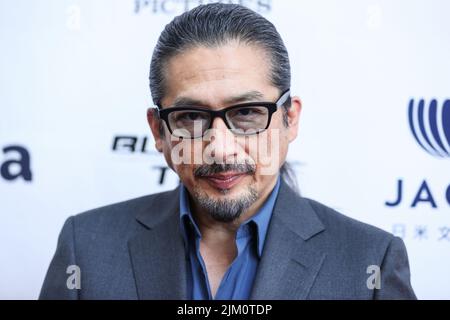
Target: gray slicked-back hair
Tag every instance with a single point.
(213, 25)
(216, 24)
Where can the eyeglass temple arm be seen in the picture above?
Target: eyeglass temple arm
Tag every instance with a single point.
(283, 98)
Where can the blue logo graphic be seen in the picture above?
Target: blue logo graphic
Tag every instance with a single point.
(430, 125)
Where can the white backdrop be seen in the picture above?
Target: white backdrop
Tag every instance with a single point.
(73, 81)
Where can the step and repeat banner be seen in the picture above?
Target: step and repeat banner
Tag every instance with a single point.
(374, 139)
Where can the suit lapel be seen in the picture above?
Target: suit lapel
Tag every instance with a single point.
(287, 270)
(157, 251)
(290, 261)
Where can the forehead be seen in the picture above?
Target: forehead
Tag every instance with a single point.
(215, 74)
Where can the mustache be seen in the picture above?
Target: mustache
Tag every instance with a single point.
(210, 169)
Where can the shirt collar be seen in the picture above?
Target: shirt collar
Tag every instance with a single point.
(261, 219)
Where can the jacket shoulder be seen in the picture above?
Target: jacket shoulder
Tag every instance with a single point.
(357, 249)
(121, 214)
(344, 227)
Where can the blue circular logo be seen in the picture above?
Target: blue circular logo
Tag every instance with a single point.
(430, 126)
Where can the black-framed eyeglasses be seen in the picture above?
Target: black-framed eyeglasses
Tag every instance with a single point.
(242, 119)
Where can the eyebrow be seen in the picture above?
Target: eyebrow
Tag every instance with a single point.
(244, 97)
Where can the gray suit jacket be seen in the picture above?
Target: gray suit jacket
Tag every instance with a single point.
(134, 250)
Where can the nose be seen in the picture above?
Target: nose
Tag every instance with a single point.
(222, 145)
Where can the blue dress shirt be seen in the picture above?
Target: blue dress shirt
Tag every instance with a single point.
(237, 281)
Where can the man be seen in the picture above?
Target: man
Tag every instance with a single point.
(234, 228)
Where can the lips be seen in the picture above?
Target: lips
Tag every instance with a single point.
(224, 180)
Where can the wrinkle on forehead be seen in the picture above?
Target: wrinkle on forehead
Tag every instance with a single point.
(208, 74)
(224, 70)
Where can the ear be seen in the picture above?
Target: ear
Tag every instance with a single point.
(154, 123)
(294, 117)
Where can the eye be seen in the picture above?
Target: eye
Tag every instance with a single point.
(243, 112)
(190, 116)
(248, 112)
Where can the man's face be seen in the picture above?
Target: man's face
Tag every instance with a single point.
(225, 174)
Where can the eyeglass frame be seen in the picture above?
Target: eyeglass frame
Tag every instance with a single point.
(272, 107)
